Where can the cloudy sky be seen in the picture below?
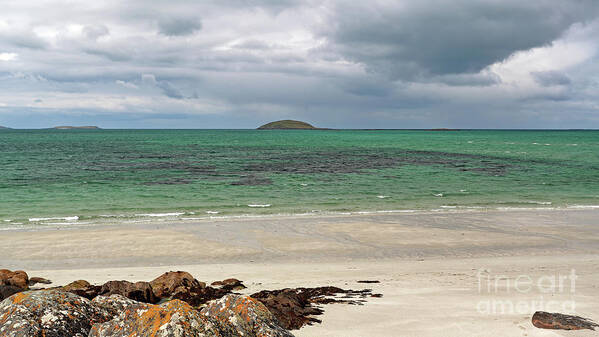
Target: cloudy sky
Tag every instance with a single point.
(342, 64)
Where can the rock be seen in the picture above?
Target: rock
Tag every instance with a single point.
(50, 313)
(138, 291)
(229, 284)
(7, 291)
(83, 289)
(182, 286)
(174, 282)
(293, 307)
(247, 316)
(35, 280)
(547, 320)
(79, 284)
(114, 304)
(17, 278)
(171, 319)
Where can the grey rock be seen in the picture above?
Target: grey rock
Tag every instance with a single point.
(49, 313)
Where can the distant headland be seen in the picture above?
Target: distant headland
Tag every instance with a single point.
(3, 127)
(287, 124)
(68, 127)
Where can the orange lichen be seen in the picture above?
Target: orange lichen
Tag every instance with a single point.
(18, 298)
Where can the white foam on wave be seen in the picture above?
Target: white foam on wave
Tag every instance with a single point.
(383, 196)
(463, 191)
(66, 218)
(438, 195)
(572, 144)
(7, 220)
(259, 206)
(584, 206)
(539, 202)
(161, 214)
(449, 207)
(212, 212)
(304, 184)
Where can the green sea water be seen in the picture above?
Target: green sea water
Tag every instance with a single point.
(59, 177)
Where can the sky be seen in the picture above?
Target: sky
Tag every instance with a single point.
(337, 64)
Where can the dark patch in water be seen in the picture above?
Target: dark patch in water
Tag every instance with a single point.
(252, 180)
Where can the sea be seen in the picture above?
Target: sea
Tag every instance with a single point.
(60, 178)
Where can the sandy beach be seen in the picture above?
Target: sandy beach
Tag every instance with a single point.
(449, 273)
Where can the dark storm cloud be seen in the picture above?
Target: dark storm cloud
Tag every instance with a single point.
(237, 63)
(419, 38)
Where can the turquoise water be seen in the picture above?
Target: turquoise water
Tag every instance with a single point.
(88, 175)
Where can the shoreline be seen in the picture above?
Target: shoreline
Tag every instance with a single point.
(73, 221)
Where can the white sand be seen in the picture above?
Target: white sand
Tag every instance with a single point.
(430, 265)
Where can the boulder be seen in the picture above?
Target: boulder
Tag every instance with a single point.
(17, 278)
(547, 320)
(7, 291)
(173, 282)
(35, 280)
(182, 286)
(83, 289)
(229, 284)
(138, 291)
(50, 313)
(246, 316)
(114, 304)
(171, 319)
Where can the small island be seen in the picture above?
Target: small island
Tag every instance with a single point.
(87, 127)
(287, 125)
(4, 128)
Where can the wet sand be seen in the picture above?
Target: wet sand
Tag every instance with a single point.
(441, 274)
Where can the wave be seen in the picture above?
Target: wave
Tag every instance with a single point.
(158, 215)
(259, 206)
(66, 218)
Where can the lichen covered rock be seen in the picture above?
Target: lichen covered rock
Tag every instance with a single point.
(115, 304)
(48, 314)
(172, 319)
(247, 316)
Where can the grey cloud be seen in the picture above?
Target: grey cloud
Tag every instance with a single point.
(178, 26)
(23, 39)
(95, 31)
(169, 90)
(412, 39)
(112, 55)
(551, 78)
(479, 79)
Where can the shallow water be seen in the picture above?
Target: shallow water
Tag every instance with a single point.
(62, 177)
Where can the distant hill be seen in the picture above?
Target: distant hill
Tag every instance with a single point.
(287, 125)
(87, 127)
(3, 127)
